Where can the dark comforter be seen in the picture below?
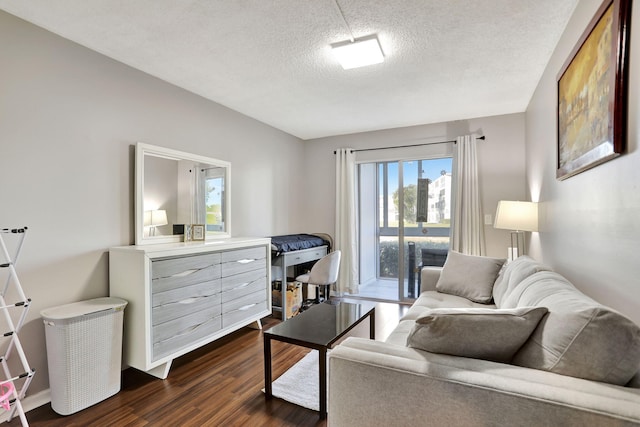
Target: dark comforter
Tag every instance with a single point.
(295, 242)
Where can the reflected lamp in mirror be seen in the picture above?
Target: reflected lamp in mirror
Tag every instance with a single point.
(153, 219)
(517, 217)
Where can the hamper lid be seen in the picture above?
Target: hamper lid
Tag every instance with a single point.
(83, 308)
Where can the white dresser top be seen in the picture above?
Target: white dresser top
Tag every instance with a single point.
(183, 248)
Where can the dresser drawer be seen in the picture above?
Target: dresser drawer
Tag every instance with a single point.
(241, 261)
(184, 300)
(242, 279)
(242, 308)
(235, 304)
(174, 335)
(247, 288)
(170, 267)
(257, 252)
(306, 255)
(185, 278)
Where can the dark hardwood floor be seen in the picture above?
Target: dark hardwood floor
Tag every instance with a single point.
(217, 385)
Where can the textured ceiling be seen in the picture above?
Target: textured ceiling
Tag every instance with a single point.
(270, 59)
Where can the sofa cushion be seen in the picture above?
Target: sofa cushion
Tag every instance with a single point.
(400, 333)
(434, 299)
(469, 276)
(512, 274)
(480, 333)
(578, 337)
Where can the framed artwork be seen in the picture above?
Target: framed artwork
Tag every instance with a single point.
(187, 233)
(592, 93)
(197, 232)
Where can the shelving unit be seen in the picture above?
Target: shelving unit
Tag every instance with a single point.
(14, 306)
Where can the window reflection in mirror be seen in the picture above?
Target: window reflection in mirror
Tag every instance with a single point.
(214, 197)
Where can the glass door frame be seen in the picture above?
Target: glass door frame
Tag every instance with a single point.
(376, 227)
(400, 232)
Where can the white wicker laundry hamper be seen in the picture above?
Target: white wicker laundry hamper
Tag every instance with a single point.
(84, 352)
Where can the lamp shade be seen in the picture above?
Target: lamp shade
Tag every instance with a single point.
(520, 216)
(155, 218)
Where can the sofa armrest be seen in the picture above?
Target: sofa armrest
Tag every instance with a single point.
(429, 277)
(372, 383)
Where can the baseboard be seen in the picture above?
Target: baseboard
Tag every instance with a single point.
(30, 402)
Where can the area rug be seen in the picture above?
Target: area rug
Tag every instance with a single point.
(300, 384)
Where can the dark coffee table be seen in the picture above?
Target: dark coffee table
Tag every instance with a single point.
(318, 328)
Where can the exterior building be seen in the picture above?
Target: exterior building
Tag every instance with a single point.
(440, 198)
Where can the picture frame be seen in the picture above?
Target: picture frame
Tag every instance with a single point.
(592, 93)
(187, 232)
(197, 232)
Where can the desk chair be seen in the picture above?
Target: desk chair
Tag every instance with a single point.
(323, 274)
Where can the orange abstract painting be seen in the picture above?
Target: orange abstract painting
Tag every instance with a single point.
(587, 91)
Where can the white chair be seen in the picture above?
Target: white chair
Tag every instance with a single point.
(323, 274)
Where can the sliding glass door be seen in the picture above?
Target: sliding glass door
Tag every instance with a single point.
(404, 210)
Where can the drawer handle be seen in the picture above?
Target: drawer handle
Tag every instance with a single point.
(247, 307)
(185, 273)
(244, 285)
(186, 301)
(191, 300)
(246, 260)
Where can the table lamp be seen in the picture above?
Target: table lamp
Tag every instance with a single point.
(517, 217)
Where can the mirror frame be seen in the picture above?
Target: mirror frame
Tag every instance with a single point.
(143, 150)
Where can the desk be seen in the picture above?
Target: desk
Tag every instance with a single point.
(289, 259)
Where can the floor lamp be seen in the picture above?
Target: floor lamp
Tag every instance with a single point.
(517, 217)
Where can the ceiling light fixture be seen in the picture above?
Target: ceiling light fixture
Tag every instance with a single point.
(358, 53)
(354, 53)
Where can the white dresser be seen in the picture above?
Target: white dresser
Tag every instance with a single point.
(184, 295)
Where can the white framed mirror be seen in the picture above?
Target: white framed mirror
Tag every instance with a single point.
(175, 190)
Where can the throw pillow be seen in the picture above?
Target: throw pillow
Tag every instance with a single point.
(469, 276)
(479, 333)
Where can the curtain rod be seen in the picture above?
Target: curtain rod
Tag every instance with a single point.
(412, 145)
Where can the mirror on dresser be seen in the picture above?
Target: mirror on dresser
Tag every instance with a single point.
(174, 190)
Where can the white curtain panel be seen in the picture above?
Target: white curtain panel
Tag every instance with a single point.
(346, 233)
(199, 210)
(467, 234)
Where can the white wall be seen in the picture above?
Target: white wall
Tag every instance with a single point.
(589, 225)
(68, 120)
(500, 156)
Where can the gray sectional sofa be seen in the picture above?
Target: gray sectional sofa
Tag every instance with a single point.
(487, 345)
